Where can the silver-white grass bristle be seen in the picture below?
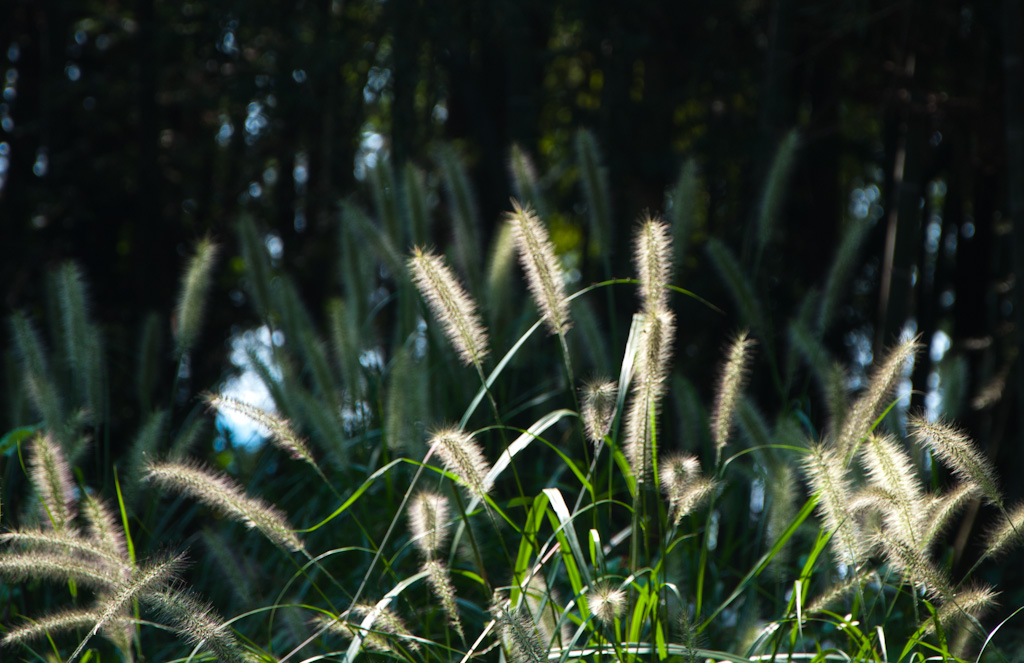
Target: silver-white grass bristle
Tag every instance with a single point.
(51, 477)
(957, 452)
(69, 620)
(198, 623)
(386, 628)
(451, 305)
(518, 632)
(606, 601)
(192, 299)
(840, 590)
(652, 368)
(684, 486)
(57, 567)
(890, 468)
(652, 254)
(104, 529)
(1007, 534)
(68, 543)
(826, 474)
(543, 602)
(940, 510)
(866, 409)
(224, 494)
(914, 565)
(277, 428)
(428, 520)
(463, 458)
(440, 581)
(967, 604)
(730, 388)
(600, 399)
(544, 275)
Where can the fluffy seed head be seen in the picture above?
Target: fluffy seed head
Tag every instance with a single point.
(966, 604)
(192, 299)
(444, 591)
(914, 565)
(599, 401)
(652, 368)
(223, 494)
(55, 623)
(51, 477)
(462, 457)
(279, 429)
(730, 387)
(428, 518)
(1007, 534)
(889, 468)
(683, 484)
(544, 274)
(824, 470)
(941, 509)
(383, 628)
(518, 632)
(104, 529)
(198, 623)
(451, 305)
(653, 257)
(607, 602)
(955, 449)
(883, 382)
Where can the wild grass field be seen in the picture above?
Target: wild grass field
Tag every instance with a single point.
(476, 455)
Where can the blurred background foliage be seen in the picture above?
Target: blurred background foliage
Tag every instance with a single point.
(128, 131)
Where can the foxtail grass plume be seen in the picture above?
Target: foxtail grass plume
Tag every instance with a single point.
(826, 474)
(223, 494)
(955, 449)
(196, 621)
(859, 421)
(940, 510)
(444, 591)
(384, 628)
(730, 388)
(57, 567)
(966, 605)
(914, 565)
(652, 367)
(279, 429)
(104, 528)
(683, 484)
(518, 632)
(463, 458)
(51, 477)
(192, 298)
(652, 254)
(544, 275)
(599, 401)
(451, 305)
(607, 602)
(889, 468)
(1007, 534)
(428, 518)
(67, 620)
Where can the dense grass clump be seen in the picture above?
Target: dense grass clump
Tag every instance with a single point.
(437, 490)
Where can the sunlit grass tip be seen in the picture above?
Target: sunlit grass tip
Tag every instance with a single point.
(1007, 534)
(192, 298)
(652, 255)
(451, 305)
(599, 401)
(861, 417)
(279, 429)
(730, 386)
(652, 368)
(462, 457)
(51, 477)
(198, 623)
(956, 450)
(826, 474)
(544, 275)
(440, 582)
(223, 494)
(606, 601)
(428, 520)
(684, 486)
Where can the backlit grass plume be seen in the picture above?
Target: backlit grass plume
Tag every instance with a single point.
(463, 458)
(428, 518)
(826, 473)
(683, 484)
(652, 254)
(220, 492)
(606, 601)
(888, 467)
(440, 582)
(1008, 533)
(862, 414)
(51, 477)
(652, 367)
(956, 451)
(730, 388)
(192, 298)
(451, 305)
(598, 409)
(544, 275)
(279, 429)
(196, 622)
